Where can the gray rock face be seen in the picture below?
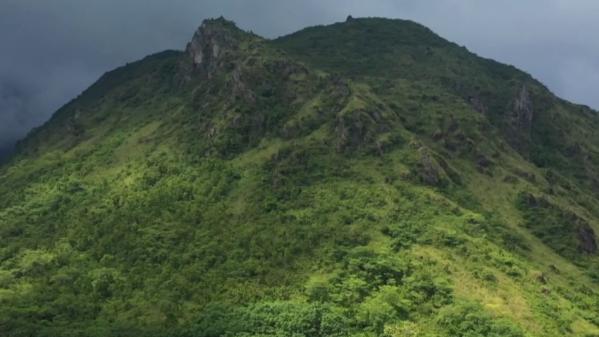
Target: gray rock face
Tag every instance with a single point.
(359, 128)
(523, 112)
(586, 237)
(241, 88)
(212, 40)
(477, 104)
(430, 172)
(352, 129)
(520, 121)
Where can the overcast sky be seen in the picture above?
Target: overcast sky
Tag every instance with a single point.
(52, 50)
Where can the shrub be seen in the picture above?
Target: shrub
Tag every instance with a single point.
(470, 320)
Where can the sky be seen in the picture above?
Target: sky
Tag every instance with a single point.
(50, 51)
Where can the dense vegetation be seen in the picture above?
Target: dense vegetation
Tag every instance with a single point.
(366, 178)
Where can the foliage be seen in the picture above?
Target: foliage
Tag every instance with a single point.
(359, 179)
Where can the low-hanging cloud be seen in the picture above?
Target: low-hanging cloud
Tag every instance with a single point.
(52, 50)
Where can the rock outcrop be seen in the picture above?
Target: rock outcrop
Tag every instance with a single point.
(562, 229)
(520, 120)
(428, 169)
(213, 40)
(477, 104)
(586, 238)
(523, 113)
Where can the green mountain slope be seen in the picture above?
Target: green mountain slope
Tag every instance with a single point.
(366, 178)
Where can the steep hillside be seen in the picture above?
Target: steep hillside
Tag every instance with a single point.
(366, 178)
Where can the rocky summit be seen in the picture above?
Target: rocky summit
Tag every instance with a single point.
(366, 178)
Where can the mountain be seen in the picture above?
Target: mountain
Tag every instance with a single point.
(366, 178)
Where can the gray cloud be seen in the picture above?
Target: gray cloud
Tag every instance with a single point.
(52, 50)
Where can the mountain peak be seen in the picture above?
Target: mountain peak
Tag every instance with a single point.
(214, 38)
(219, 23)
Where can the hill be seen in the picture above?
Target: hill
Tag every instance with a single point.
(366, 178)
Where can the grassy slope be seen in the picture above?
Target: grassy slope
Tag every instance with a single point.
(343, 195)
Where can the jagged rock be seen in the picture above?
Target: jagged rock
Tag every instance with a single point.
(521, 120)
(483, 162)
(560, 219)
(477, 104)
(430, 172)
(240, 88)
(458, 142)
(523, 112)
(359, 128)
(211, 41)
(530, 177)
(438, 135)
(542, 278)
(586, 237)
(286, 68)
(351, 129)
(341, 86)
(73, 126)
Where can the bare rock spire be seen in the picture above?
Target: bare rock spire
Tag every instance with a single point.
(212, 41)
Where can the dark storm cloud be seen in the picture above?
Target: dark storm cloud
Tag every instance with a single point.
(51, 50)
